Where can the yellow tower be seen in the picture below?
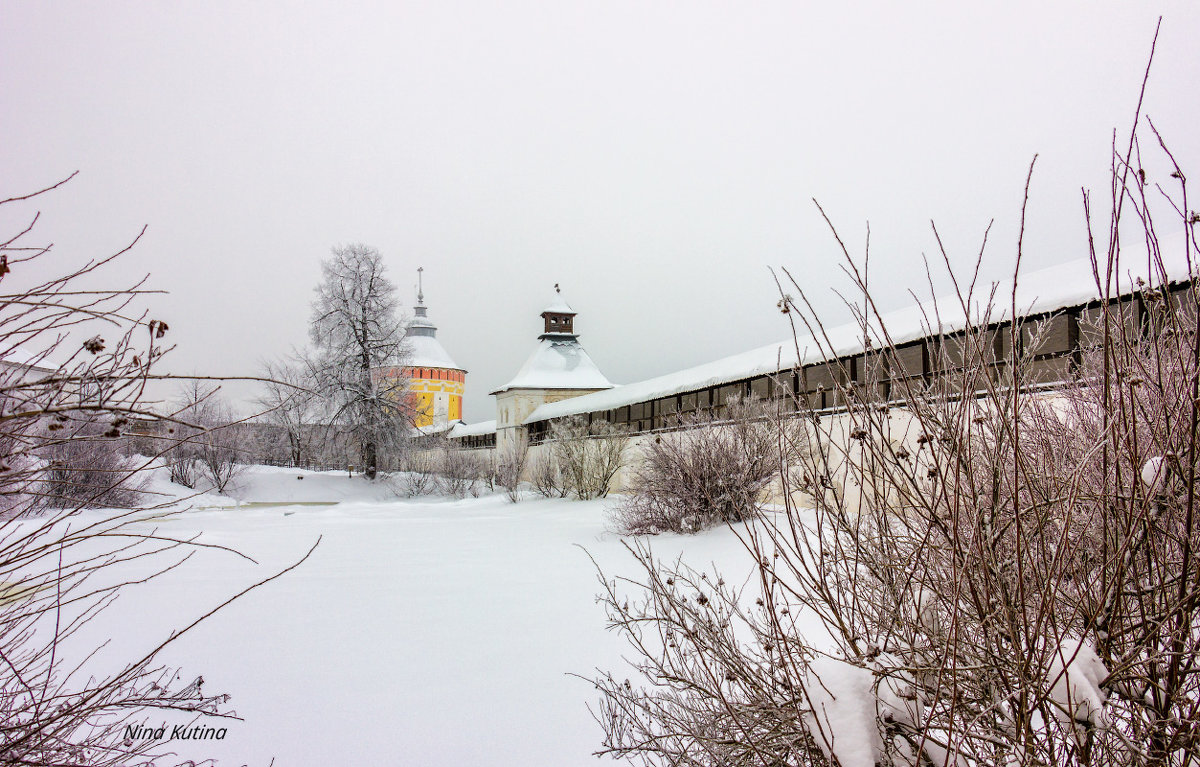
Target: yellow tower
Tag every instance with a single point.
(436, 381)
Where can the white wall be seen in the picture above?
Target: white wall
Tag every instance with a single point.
(515, 405)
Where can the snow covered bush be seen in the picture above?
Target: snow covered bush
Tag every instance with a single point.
(86, 466)
(418, 475)
(510, 465)
(588, 455)
(546, 477)
(460, 472)
(983, 572)
(708, 471)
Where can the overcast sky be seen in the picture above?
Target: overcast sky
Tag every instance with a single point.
(656, 159)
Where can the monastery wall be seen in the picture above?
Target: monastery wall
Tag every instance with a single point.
(1050, 343)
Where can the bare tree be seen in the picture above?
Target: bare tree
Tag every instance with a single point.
(290, 402)
(358, 340)
(211, 442)
(220, 453)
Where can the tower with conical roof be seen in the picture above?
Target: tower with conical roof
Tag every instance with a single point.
(436, 382)
(559, 368)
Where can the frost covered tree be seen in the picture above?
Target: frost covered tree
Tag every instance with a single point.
(357, 332)
(211, 443)
(290, 403)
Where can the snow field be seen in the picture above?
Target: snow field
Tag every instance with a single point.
(419, 632)
(432, 631)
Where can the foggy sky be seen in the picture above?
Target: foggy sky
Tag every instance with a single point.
(656, 159)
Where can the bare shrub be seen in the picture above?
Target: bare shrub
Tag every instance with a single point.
(459, 472)
(546, 477)
(86, 467)
(489, 468)
(419, 473)
(510, 465)
(994, 574)
(709, 471)
(183, 465)
(712, 685)
(588, 455)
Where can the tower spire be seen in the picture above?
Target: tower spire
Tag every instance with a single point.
(420, 285)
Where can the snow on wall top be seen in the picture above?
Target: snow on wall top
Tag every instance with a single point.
(428, 352)
(1045, 290)
(435, 428)
(558, 363)
(472, 430)
(767, 359)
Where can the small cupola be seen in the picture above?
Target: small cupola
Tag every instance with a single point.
(559, 316)
(421, 325)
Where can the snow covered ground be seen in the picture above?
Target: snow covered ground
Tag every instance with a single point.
(420, 632)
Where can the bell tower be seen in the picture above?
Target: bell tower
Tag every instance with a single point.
(559, 317)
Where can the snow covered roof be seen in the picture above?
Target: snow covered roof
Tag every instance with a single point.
(427, 352)
(420, 320)
(558, 362)
(18, 357)
(424, 348)
(558, 304)
(472, 430)
(1038, 292)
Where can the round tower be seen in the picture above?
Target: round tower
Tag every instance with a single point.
(436, 382)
